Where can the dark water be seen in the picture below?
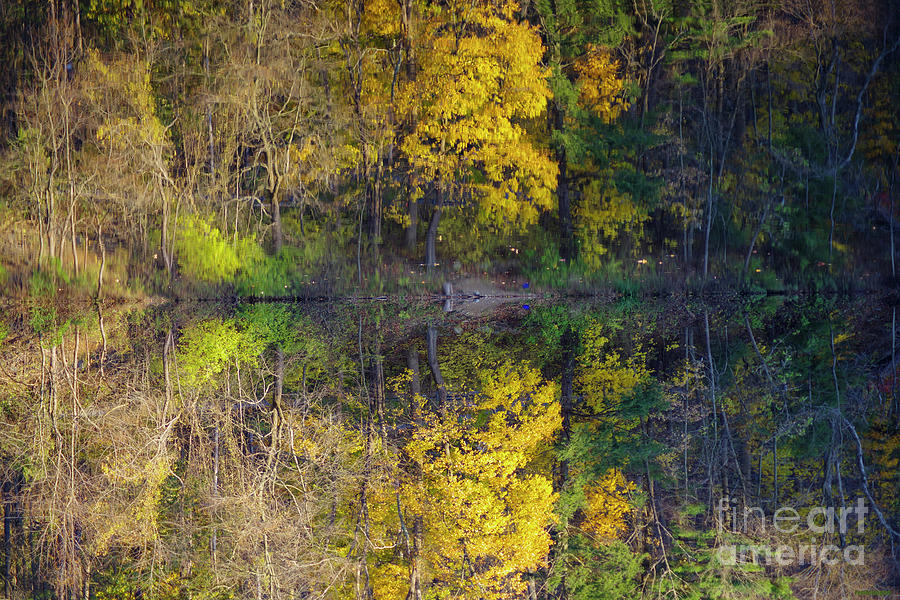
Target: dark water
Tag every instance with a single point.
(515, 447)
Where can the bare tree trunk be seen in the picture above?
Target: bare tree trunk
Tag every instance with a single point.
(10, 503)
(715, 413)
(759, 226)
(209, 125)
(279, 378)
(213, 541)
(569, 342)
(435, 367)
(412, 228)
(834, 176)
(412, 363)
(379, 388)
(415, 578)
(430, 238)
(164, 239)
(709, 219)
(891, 214)
(375, 225)
(102, 261)
(277, 233)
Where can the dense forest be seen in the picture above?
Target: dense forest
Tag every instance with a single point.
(585, 451)
(198, 147)
(482, 300)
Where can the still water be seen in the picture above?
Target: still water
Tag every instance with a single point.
(452, 447)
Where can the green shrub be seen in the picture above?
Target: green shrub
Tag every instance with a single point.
(205, 255)
(209, 347)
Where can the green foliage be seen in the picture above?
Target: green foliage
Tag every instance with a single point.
(205, 255)
(593, 571)
(292, 332)
(44, 281)
(270, 276)
(43, 320)
(545, 327)
(210, 347)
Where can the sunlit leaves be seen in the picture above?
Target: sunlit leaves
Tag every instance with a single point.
(212, 346)
(604, 374)
(120, 92)
(607, 505)
(601, 87)
(486, 511)
(479, 83)
(205, 255)
(603, 214)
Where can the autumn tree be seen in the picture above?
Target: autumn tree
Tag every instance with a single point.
(478, 83)
(486, 465)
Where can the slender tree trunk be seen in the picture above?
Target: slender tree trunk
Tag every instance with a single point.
(435, 367)
(209, 123)
(415, 578)
(279, 378)
(8, 508)
(71, 185)
(168, 259)
(379, 388)
(569, 343)
(567, 239)
(375, 225)
(712, 396)
(894, 357)
(415, 389)
(834, 176)
(891, 214)
(430, 239)
(759, 226)
(415, 385)
(277, 234)
(102, 261)
(709, 219)
(412, 228)
(213, 541)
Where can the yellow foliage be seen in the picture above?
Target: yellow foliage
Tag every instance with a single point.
(485, 510)
(133, 521)
(883, 444)
(601, 89)
(607, 505)
(120, 91)
(604, 375)
(480, 81)
(383, 17)
(389, 580)
(604, 214)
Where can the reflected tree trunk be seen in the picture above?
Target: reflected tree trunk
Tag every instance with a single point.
(567, 238)
(413, 227)
(436, 370)
(430, 239)
(277, 233)
(415, 384)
